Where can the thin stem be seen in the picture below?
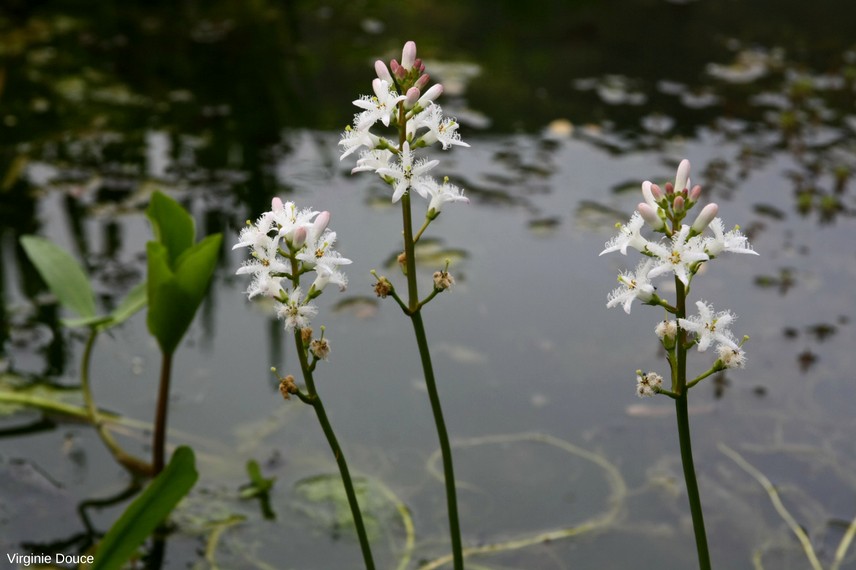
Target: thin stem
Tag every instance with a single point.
(445, 447)
(422, 229)
(159, 441)
(315, 401)
(682, 411)
(134, 465)
(701, 377)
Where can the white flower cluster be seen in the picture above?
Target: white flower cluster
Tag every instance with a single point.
(399, 101)
(681, 251)
(285, 243)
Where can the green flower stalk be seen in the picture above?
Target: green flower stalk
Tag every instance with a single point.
(681, 252)
(401, 103)
(285, 244)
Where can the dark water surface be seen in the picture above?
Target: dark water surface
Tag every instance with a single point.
(567, 107)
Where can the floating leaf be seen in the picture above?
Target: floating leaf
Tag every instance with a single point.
(147, 511)
(329, 503)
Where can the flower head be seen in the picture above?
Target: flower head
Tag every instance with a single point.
(379, 107)
(731, 356)
(628, 236)
(439, 128)
(679, 258)
(732, 241)
(408, 173)
(633, 286)
(648, 384)
(710, 326)
(294, 313)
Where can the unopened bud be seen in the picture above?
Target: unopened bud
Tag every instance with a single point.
(648, 194)
(422, 81)
(412, 97)
(433, 92)
(298, 238)
(678, 204)
(320, 224)
(397, 70)
(276, 204)
(650, 216)
(670, 188)
(656, 192)
(704, 217)
(383, 72)
(695, 193)
(408, 55)
(682, 177)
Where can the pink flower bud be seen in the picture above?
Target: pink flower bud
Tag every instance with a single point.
(704, 217)
(655, 190)
(670, 188)
(412, 97)
(650, 216)
(433, 92)
(683, 175)
(695, 193)
(422, 81)
(678, 204)
(383, 72)
(276, 204)
(299, 237)
(397, 70)
(408, 55)
(320, 224)
(648, 194)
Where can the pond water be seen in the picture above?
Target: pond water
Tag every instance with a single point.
(567, 108)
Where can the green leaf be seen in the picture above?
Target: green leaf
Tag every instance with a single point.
(62, 274)
(135, 300)
(172, 225)
(196, 267)
(175, 295)
(147, 511)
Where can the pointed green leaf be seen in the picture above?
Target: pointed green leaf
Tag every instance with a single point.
(175, 296)
(171, 224)
(195, 268)
(62, 274)
(147, 511)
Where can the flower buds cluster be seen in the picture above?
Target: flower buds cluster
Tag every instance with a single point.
(681, 250)
(285, 243)
(400, 100)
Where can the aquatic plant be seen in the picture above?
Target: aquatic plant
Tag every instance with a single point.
(402, 103)
(286, 243)
(684, 251)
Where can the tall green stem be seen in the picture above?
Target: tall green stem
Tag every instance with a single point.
(131, 463)
(681, 409)
(445, 447)
(415, 314)
(159, 441)
(344, 472)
